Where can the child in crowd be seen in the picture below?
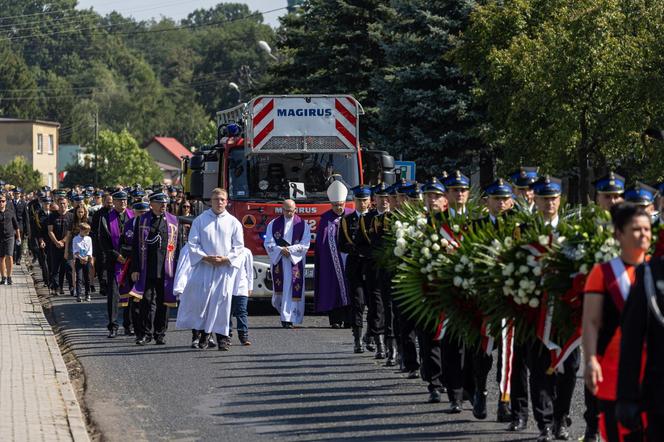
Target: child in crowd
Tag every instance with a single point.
(82, 248)
(243, 289)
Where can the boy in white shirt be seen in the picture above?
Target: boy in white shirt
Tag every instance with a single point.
(82, 248)
(244, 284)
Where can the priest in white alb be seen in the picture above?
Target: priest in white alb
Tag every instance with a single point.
(215, 254)
(287, 240)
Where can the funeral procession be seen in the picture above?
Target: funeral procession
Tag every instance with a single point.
(332, 220)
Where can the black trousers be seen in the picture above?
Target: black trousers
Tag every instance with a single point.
(591, 414)
(356, 271)
(42, 258)
(480, 368)
(432, 360)
(375, 306)
(59, 268)
(112, 297)
(565, 383)
(341, 315)
(655, 430)
(82, 277)
(384, 281)
(519, 383)
(542, 385)
(100, 270)
(406, 339)
(153, 313)
(458, 376)
(608, 409)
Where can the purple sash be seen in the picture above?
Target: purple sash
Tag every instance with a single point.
(332, 231)
(297, 271)
(116, 234)
(169, 265)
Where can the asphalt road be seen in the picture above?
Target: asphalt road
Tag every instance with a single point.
(301, 384)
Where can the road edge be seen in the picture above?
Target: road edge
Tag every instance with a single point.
(69, 371)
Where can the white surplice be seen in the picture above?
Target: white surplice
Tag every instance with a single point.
(289, 309)
(207, 290)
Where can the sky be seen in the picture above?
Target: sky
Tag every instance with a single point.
(177, 9)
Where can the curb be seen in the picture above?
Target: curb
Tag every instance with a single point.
(75, 420)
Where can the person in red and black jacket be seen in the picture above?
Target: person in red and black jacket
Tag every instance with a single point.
(606, 292)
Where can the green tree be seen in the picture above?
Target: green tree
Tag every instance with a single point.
(122, 161)
(426, 105)
(21, 174)
(331, 47)
(568, 84)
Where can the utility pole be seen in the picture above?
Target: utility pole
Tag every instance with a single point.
(96, 145)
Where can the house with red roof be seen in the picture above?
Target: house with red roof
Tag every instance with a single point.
(168, 152)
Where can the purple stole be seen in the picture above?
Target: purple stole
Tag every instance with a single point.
(169, 265)
(339, 270)
(297, 271)
(116, 237)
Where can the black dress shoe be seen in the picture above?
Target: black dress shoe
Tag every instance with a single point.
(194, 343)
(128, 332)
(3, 281)
(204, 344)
(454, 408)
(9, 280)
(113, 333)
(147, 339)
(479, 405)
(504, 414)
(560, 431)
(434, 397)
(370, 343)
(336, 326)
(545, 435)
(160, 341)
(591, 437)
(518, 424)
(413, 374)
(223, 343)
(140, 341)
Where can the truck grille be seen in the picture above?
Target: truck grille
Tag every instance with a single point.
(304, 144)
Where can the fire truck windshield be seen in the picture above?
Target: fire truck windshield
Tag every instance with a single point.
(268, 176)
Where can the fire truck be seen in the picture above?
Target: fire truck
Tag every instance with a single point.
(278, 147)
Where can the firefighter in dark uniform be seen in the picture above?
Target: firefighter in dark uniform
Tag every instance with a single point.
(381, 289)
(406, 338)
(499, 203)
(455, 353)
(96, 227)
(435, 202)
(355, 240)
(38, 211)
(609, 191)
(522, 181)
(23, 218)
(551, 393)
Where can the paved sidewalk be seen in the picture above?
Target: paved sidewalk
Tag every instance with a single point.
(37, 401)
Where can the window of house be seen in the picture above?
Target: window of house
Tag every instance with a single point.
(50, 144)
(40, 143)
(51, 180)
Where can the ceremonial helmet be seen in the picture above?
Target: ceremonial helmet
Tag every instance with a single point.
(640, 194)
(547, 187)
(499, 189)
(610, 183)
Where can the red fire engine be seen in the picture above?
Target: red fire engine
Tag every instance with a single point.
(277, 147)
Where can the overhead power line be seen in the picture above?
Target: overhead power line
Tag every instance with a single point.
(146, 31)
(72, 18)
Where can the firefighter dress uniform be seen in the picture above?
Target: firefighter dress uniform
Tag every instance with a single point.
(355, 240)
